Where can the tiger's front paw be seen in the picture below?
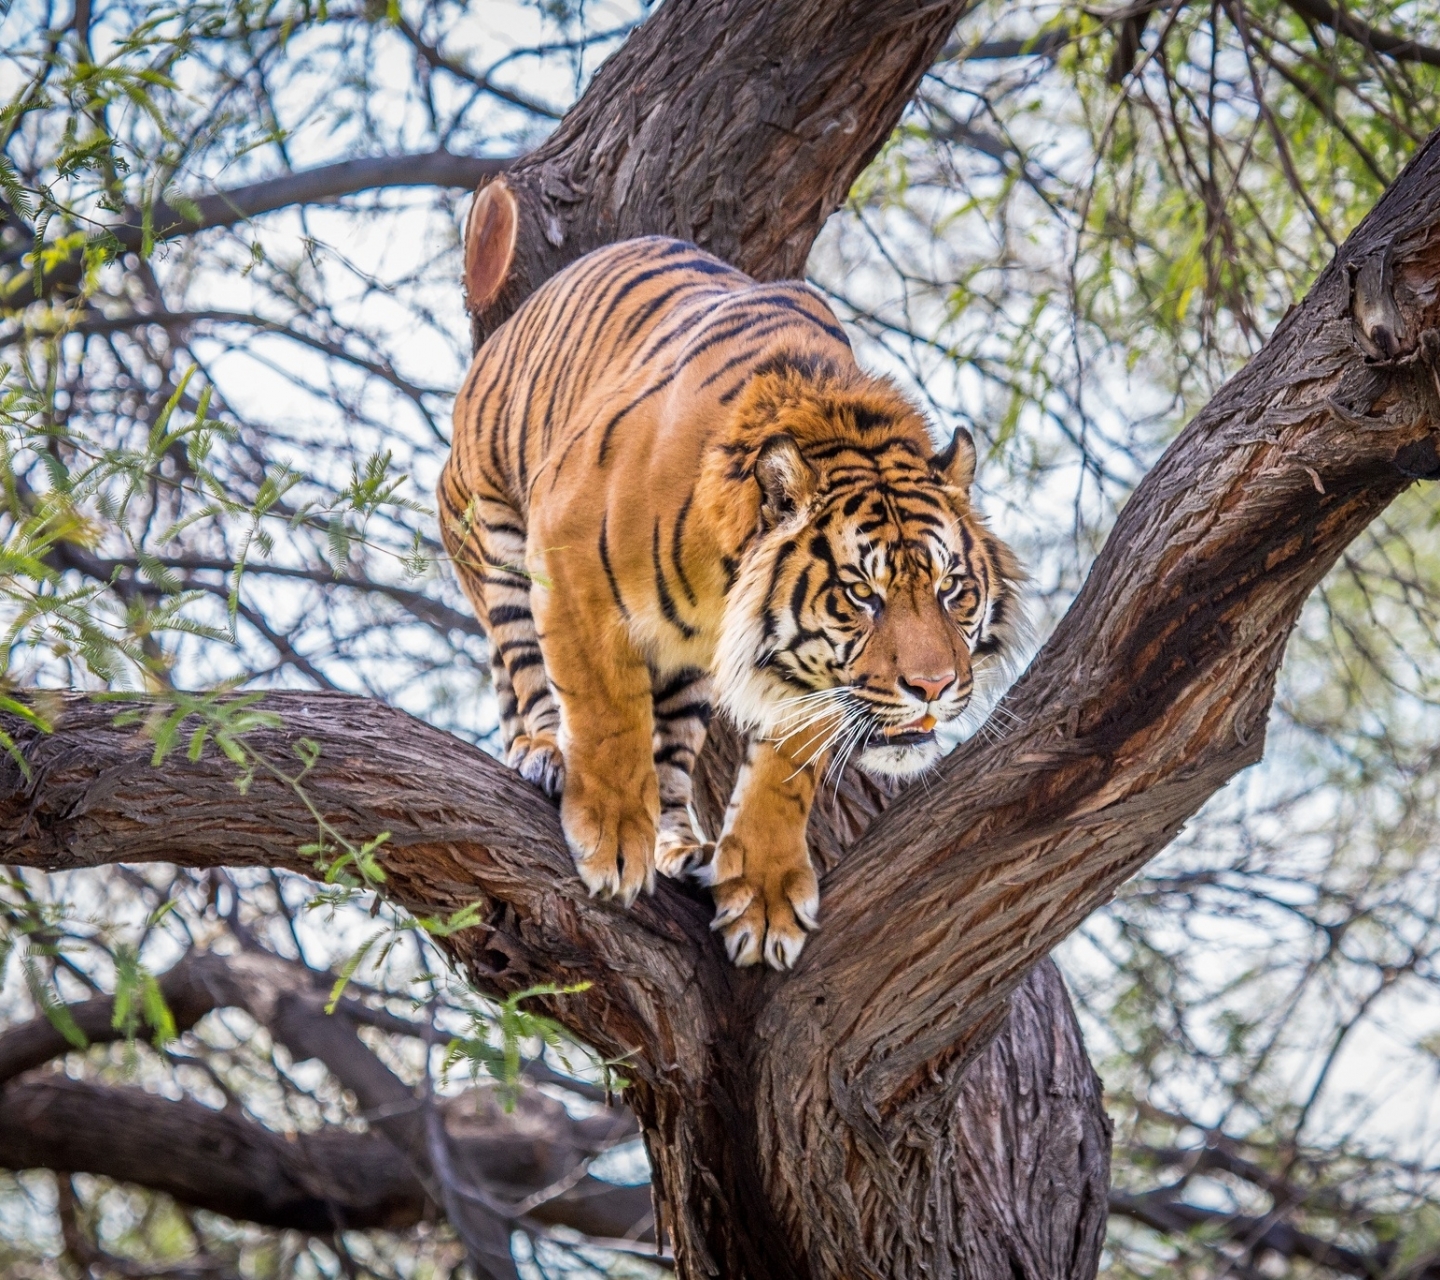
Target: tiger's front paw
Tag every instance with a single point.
(538, 760)
(764, 909)
(612, 838)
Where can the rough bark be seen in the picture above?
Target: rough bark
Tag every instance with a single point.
(663, 997)
(737, 124)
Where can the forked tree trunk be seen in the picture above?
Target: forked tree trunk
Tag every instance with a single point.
(742, 126)
(1001, 1172)
(913, 1100)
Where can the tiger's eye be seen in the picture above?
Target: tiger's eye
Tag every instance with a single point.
(860, 592)
(947, 584)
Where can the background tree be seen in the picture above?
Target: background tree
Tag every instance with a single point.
(1069, 264)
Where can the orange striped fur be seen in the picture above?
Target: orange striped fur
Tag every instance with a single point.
(672, 487)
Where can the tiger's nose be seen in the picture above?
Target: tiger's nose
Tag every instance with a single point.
(927, 688)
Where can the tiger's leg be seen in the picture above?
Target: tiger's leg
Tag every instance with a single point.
(610, 808)
(765, 890)
(489, 556)
(682, 714)
(511, 725)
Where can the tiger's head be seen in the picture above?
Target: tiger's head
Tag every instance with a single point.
(871, 596)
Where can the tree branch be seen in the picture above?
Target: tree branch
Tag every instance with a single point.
(213, 1160)
(218, 1160)
(520, 1154)
(435, 612)
(191, 989)
(705, 113)
(1258, 1235)
(320, 185)
(463, 828)
(1155, 688)
(1401, 48)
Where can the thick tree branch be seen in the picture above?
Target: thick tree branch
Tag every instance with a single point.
(1152, 693)
(462, 828)
(214, 1160)
(708, 111)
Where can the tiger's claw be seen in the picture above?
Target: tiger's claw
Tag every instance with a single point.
(611, 840)
(766, 911)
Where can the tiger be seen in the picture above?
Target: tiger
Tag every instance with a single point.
(673, 489)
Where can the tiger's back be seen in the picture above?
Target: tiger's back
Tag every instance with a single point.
(589, 358)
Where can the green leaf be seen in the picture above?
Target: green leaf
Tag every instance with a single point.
(56, 1011)
(348, 971)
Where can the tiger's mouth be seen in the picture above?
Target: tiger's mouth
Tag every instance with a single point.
(916, 733)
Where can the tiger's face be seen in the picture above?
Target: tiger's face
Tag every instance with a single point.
(868, 603)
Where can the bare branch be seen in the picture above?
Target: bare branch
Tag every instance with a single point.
(321, 185)
(305, 1182)
(494, 1145)
(71, 1126)
(1401, 48)
(1257, 1235)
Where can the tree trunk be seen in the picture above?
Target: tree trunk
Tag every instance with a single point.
(738, 124)
(875, 1113)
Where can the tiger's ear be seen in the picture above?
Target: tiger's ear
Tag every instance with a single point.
(785, 478)
(955, 463)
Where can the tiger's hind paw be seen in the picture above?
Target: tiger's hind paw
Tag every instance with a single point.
(538, 760)
(679, 852)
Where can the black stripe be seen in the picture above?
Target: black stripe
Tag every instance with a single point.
(609, 572)
(635, 403)
(667, 601)
(501, 527)
(668, 753)
(506, 613)
(747, 325)
(676, 548)
(696, 260)
(679, 682)
(799, 591)
(686, 711)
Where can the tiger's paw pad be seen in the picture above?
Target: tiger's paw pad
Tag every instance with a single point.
(613, 847)
(767, 919)
(538, 760)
